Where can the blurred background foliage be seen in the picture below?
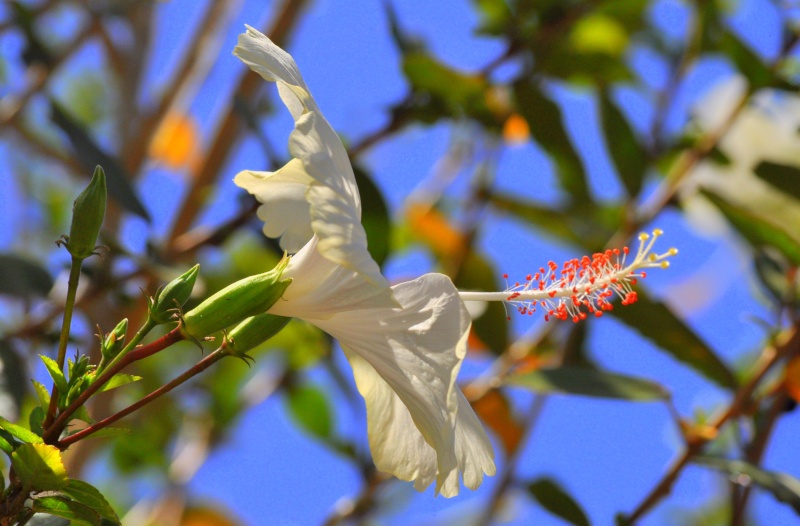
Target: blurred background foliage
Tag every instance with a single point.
(717, 163)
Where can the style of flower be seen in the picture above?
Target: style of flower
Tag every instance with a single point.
(406, 342)
(582, 287)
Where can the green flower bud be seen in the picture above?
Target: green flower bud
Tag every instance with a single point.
(114, 341)
(253, 332)
(243, 299)
(174, 295)
(87, 216)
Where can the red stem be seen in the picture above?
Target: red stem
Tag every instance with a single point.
(199, 367)
(54, 431)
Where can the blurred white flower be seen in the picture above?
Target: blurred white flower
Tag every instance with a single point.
(406, 342)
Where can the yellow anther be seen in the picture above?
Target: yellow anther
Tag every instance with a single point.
(657, 232)
(665, 264)
(644, 236)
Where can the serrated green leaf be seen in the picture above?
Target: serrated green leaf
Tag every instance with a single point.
(25, 435)
(36, 419)
(557, 501)
(76, 513)
(82, 414)
(783, 487)
(109, 432)
(42, 394)
(22, 277)
(784, 178)
(309, 407)
(39, 467)
(118, 380)
(547, 128)
(656, 322)
(589, 382)
(629, 156)
(90, 496)
(56, 374)
(756, 230)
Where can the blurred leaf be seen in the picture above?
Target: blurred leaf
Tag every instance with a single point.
(547, 127)
(630, 158)
(746, 61)
(85, 96)
(76, 513)
(39, 467)
(791, 378)
(784, 178)
(22, 277)
(589, 382)
(12, 373)
(599, 33)
(310, 409)
(656, 322)
(36, 420)
(90, 496)
(118, 380)
(491, 327)
(107, 432)
(557, 501)
(495, 16)
(779, 278)
(554, 222)
(25, 435)
(453, 94)
(432, 228)
(56, 374)
(783, 487)
(86, 150)
(374, 216)
(757, 230)
(205, 515)
(495, 412)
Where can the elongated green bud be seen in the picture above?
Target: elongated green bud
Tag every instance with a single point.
(254, 331)
(114, 341)
(173, 296)
(87, 216)
(245, 298)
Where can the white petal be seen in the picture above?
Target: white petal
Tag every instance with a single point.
(285, 212)
(335, 205)
(415, 351)
(321, 288)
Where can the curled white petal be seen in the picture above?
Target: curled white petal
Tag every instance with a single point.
(331, 191)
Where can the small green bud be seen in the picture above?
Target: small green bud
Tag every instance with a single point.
(253, 332)
(114, 341)
(87, 216)
(174, 295)
(243, 299)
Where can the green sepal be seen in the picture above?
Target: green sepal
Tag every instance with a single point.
(162, 306)
(236, 302)
(114, 341)
(254, 331)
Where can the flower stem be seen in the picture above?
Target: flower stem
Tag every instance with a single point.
(199, 367)
(69, 307)
(53, 431)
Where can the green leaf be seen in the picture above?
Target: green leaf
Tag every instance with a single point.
(629, 157)
(551, 221)
(76, 513)
(107, 432)
(36, 419)
(476, 273)
(757, 230)
(25, 435)
(42, 394)
(557, 501)
(374, 216)
(118, 380)
(90, 496)
(22, 277)
(547, 127)
(784, 178)
(12, 373)
(589, 382)
(56, 374)
(783, 487)
(310, 409)
(39, 467)
(7, 443)
(656, 322)
(746, 61)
